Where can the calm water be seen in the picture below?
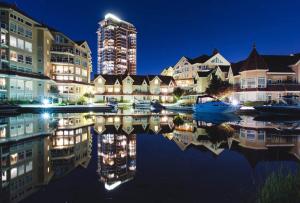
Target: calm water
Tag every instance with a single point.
(153, 158)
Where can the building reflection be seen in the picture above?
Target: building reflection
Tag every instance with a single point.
(256, 140)
(117, 144)
(24, 151)
(71, 143)
(36, 149)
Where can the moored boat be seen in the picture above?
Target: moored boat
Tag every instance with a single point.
(209, 104)
(9, 108)
(287, 105)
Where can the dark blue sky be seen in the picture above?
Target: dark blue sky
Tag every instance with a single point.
(168, 30)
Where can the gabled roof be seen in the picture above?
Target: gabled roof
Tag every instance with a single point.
(236, 67)
(199, 59)
(254, 62)
(112, 79)
(139, 79)
(271, 63)
(281, 63)
(166, 80)
(224, 68)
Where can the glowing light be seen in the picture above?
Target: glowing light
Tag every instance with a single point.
(46, 116)
(45, 102)
(234, 102)
(112, 186)
(112, 16)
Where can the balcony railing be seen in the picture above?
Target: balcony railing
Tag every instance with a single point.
(271, 87)
(62, 60)
(63, 50)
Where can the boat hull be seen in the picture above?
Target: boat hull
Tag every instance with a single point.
(278, 110)
(214, 108)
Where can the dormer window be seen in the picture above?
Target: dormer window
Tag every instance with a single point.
(156, 81)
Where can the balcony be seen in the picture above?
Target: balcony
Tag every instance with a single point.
(62, 60)
(62, 50)
(3, 44)
(4, 58)
(283, 86)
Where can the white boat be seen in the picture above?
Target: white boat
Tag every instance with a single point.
(286, 106)
(142, 104)
(180, 107)
(209, 104)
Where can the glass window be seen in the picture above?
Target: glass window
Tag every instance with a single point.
(77, 71)
(20, 44)
(13, 27)
(28, 60)
(28, 86)
(261, 82)
(28, 33)
(84, 73)
(28, 46)
(13, 41)
(29, 166)
(13, 173)
(20, 30)
(251, 83)
(13, 56)
(20, 58)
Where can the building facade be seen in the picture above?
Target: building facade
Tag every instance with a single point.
(21, 75)
(71, 66)
(265, 77)
(35, 58)
(186, 70)
(116, 46)
(128, 88)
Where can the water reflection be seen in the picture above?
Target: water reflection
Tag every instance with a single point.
(37, 149)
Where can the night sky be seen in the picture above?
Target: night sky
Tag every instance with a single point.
(168, 30)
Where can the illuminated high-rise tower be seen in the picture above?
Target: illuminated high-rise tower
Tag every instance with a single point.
(116, 46)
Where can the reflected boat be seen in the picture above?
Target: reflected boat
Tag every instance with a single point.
(215, 118)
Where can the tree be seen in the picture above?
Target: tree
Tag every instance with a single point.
(89, 95)
(217, 87)
(53, 89)
(178, 92)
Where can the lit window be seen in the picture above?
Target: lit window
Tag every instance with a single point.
(13, 173)
(28, 46)
(20, 44)
(13, 41)
(13, 56)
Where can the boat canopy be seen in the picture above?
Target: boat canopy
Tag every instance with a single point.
(205, 98)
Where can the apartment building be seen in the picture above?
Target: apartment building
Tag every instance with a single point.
(265, 77)
(186, 69)
(71, 66)
(116, 46)
(35, 57)
(21, 75)
(131, 87)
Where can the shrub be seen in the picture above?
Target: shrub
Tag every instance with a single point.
(280, 187)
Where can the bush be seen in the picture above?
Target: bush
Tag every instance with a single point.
(217, 87)
(178, 121)
(254, 103)
(280, 187)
